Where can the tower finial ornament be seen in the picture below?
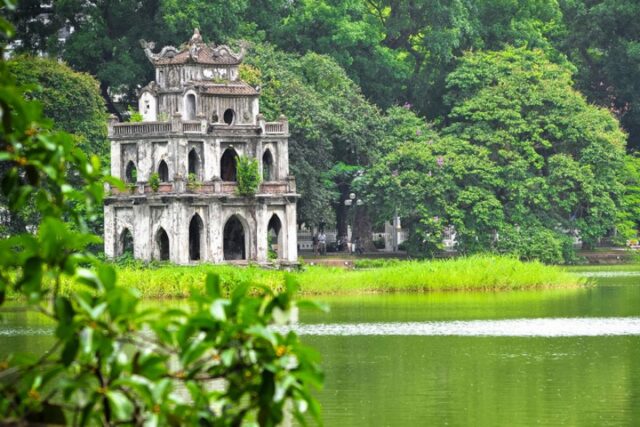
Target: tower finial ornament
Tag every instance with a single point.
(196, 38)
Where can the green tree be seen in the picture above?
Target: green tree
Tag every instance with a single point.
(218, 20)
(71, 99)
(524, 163)
(433, 183)
(603, 41)
(329, 119)
(629, 216)
(402, 50)
(559, 157)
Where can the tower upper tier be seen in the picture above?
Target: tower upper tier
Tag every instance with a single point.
(198, 80)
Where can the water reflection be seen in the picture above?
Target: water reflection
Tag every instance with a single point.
(564, 327)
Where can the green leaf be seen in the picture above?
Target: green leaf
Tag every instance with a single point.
(107, 276)
(70, 350)
(121, 406)
(217, 309)
(227, 356)
(263, 332)
(86, 340)
(213, 286)
(64, 310)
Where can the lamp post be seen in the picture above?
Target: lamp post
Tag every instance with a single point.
(396, 227)
(353, 201)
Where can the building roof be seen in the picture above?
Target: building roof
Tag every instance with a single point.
(202, 54)
(235, 88)
(195, 51)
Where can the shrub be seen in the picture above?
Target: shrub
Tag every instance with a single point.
(154, 181)
(248, 176)
(134, 115)
(536, 243)
(192, 182)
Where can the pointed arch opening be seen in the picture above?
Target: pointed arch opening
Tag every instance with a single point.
(131, 173)
(196, 228)
(228, 166)
(267, 166)
(275, 238)
(190, 106)
(194, 163)
(234, 246)
(126, 243)
(162, 244)
(163, 171)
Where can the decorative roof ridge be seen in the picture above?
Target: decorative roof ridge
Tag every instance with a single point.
(198, 52)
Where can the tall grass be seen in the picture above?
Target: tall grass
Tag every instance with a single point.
(472, 273)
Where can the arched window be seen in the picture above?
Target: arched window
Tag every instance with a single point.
(274, 236)
(229, 116)
(194, 163)
(131, 173)
(126, 243)
(195, 237)
(162, 243)
(190, 107)
(267, 166)
(228, 170)
(163, 171)
(234, 240)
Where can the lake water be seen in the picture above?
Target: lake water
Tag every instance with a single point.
(554, 357)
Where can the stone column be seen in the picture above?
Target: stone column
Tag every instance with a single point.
(176, 122)
(145, 160)
(180, 216)
(116, 162)
(215, 230)
(143, 239)
(215, 161)
(292, 237)
(261, 231)
(283, 158)
(109, 231)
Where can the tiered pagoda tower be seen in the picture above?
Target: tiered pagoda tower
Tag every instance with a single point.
(198, 117)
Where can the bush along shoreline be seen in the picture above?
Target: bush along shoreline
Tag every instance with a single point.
(475, 273)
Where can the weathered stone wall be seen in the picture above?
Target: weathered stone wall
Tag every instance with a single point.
(174, 215)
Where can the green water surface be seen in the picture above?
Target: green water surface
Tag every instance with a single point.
(461, 380)
(482, 381)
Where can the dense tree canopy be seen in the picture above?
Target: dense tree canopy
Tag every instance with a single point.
(603, 41)
(524, 155)
(71, 99)
(329, 119)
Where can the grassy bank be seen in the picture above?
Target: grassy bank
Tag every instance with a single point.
(484, 273)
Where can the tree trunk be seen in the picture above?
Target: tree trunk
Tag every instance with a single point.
(362, 228)
(111, 107)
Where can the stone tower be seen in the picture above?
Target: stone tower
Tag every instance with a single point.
(198, 117)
